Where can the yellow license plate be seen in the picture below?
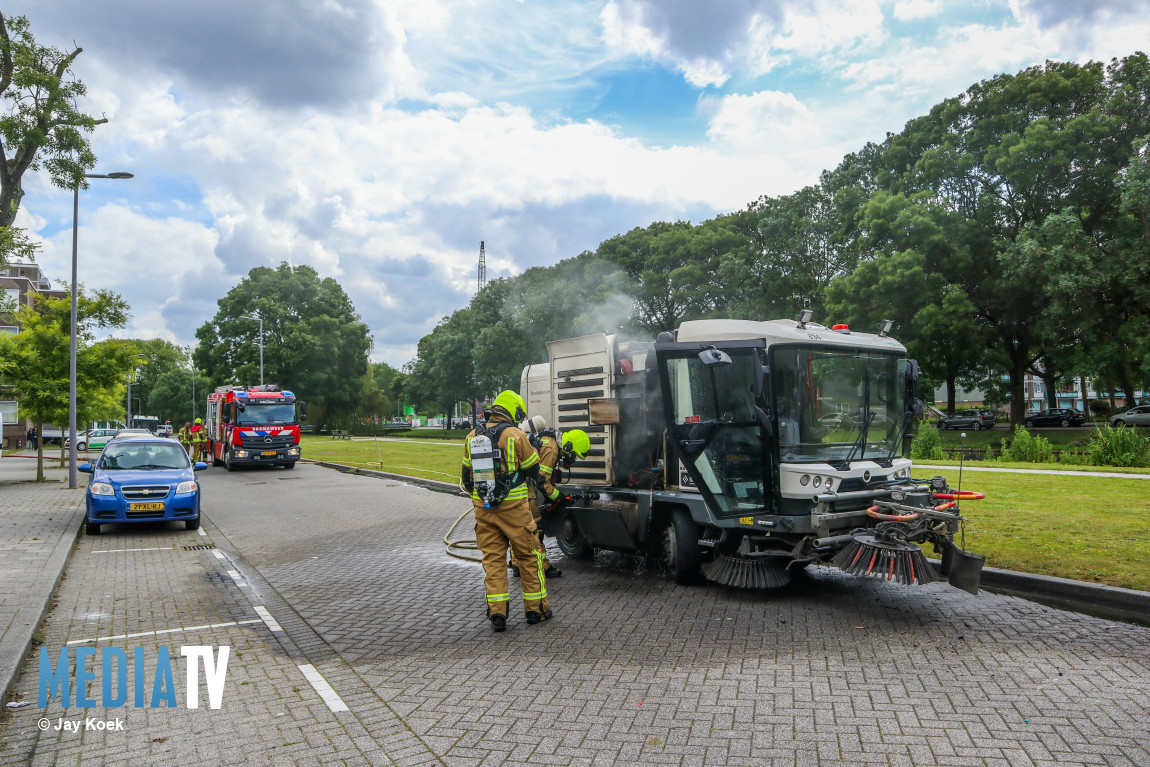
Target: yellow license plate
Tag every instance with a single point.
(145, 507)
(268, 452)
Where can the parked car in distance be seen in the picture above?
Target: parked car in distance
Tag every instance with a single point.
(164, 430)
(92, 439)
(130, 432)
(140, 479)
(836, 420)
(970, 418)
(1137, 416)
(1059, 416)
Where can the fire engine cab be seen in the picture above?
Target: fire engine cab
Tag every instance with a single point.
(253, 425)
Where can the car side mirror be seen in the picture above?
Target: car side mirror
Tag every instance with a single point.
(85, 467)
(199, 466)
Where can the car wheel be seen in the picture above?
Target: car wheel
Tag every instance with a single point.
(571, 541)
(1119, 424)
(81, 446)
(228, 461)
(92, 528)
(1065, 423)
(681, 552)
(976, 426)
(1029, 423)
(289, 465)
(192, 524)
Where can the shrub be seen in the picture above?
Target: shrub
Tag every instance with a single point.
(1100, 408)
(1119, 447)
(1027, 448)
(927, 445)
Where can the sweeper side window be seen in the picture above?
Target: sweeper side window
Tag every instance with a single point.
(836, 405)
(714, 414)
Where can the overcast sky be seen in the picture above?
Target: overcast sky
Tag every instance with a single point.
(381, 140)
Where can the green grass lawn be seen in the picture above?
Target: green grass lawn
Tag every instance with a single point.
(1081, 527)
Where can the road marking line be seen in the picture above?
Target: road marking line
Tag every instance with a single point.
(329, 695)
(117, 551)
(200, 530)
(219, 554)
(268, 619)
(166, 631)
(235, 576)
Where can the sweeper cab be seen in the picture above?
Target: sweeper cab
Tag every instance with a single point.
(742, 450)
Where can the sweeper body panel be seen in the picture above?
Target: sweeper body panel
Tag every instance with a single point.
(746, 449)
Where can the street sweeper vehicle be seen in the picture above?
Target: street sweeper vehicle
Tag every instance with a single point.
(742, 450)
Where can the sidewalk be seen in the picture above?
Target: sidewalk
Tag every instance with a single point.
(38, 525)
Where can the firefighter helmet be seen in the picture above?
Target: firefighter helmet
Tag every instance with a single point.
(576, 441)
(512, 404)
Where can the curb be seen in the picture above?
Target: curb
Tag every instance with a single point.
(427, 484)
(57, 562)
(1095, 599)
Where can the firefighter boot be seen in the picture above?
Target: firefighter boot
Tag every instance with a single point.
(535, 617)
(498, 623)
(552, 571)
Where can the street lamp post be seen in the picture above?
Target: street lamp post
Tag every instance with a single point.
(72, 326)
(261, 321)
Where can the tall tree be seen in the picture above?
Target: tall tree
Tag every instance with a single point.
(41, 125)
(315, 343)
(178, 395)
(1008, 154)
(36, 360)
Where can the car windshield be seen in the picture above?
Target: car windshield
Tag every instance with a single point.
(865, 388)
(265, 415)
(128, 455)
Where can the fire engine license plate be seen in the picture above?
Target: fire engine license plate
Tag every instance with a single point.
(268, 452)
(145, 507)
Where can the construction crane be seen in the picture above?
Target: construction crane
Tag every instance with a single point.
(482, 267)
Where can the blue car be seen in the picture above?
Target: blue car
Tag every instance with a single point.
(142, 480)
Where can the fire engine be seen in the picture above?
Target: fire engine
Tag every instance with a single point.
(253, 425)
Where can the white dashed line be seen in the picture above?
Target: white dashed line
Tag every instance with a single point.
(330, 697)
(117, 551)
(219, 554)
(268, 619)
(235, 576)
(166, 631)
(200, 530)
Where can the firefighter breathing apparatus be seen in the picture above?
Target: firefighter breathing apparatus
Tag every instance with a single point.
(491, 485)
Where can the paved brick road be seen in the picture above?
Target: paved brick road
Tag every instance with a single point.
(633, 670)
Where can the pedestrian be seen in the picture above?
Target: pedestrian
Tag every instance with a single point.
(185, 437)
(498, 462)
(33, 438)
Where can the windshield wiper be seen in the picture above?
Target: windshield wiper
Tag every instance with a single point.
(868, 416)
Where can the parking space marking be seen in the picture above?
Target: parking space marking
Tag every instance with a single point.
(219, 554)
(329, 695)
(117, 551)
(200, 530)
(239, 579)
(268, 619)
(167, 631)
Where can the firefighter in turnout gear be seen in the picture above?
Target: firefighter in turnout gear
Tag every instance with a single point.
(498, 465)
(200, 440)
(185, 437)
(557, 451)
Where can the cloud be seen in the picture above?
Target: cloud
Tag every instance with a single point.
(909, 10)
(287, 52)
(709, 42)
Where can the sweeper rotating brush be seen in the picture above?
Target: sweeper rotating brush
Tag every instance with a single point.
(888, 559)
(748, 573)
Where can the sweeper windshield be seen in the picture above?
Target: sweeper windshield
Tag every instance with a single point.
(838, 405)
